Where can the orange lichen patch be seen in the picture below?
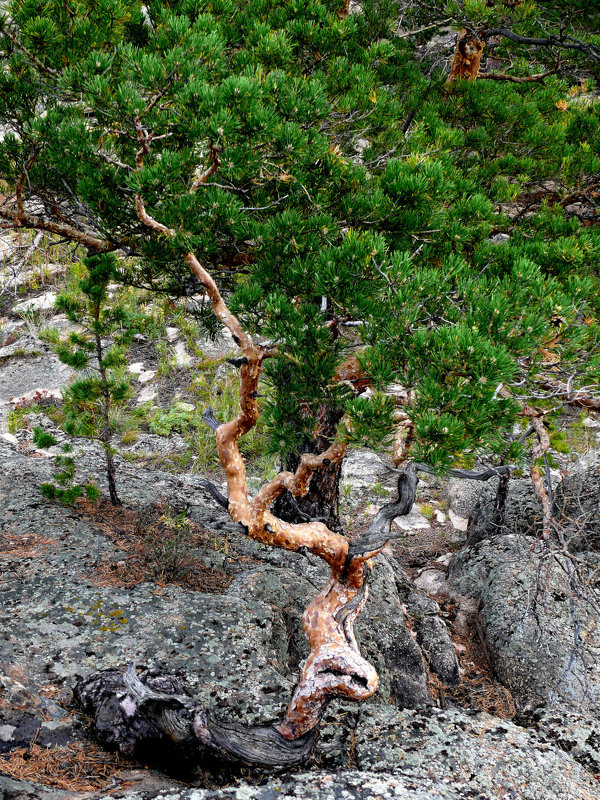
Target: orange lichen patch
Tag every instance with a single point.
(153, 551)
(75, 767)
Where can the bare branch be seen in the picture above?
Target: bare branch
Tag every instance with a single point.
(502, 76)
(214, 166)
(297, 483)
(554, 40)
(25, 220)
(408, 34)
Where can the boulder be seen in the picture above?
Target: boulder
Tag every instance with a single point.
(24, 379)
(362, 469)
(530, 619)
(470, 500)
(474, 754)
(44, 302)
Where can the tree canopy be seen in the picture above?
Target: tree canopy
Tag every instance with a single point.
(317, 163)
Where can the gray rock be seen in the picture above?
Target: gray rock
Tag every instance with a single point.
(414, 521)
(431, 581)
(11, 789)
(151, 443)
(433, 637)
(388, 645)
(362, 468)
(500, 238)
(19, 379)
(574, 733)
(44, 302)
(241, 652)
(23, 346)
(530, 631)
(472, 498)
(346, 785)
(475, 754)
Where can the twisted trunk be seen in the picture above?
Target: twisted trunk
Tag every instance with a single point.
(321, 502)
(131, 712)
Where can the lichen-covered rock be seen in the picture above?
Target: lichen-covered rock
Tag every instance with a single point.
(529, 622)
(433, 637)
(470, 499)
(470, 752)
(426, 754)
(576, 734)
(23, 346)
(346, 785)
(23, 378)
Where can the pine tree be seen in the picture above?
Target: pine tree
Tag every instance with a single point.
(239, 131)
(97, 350)
(334, 197)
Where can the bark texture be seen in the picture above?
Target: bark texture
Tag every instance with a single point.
(467, 57)
(133, 711)
(321, 502)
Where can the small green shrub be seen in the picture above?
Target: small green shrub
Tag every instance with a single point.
(67, 492)
(42, 438)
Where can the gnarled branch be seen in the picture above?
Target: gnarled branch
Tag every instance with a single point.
(334, 665)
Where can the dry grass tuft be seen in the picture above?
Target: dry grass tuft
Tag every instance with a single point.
(76, 767)
(158, 548)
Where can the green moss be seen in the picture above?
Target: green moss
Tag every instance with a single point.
(558, 442)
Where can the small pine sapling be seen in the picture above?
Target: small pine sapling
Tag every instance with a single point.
(97, 350)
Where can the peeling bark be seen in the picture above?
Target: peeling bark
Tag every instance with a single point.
(467, 57)
(131, 711)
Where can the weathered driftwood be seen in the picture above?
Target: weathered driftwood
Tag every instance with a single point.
(133, 712)
(151, 716)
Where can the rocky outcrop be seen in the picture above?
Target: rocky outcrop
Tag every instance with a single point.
(240, 652)
(535, 602)
(428, 754)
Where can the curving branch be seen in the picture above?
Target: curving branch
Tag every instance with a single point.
(502, 76)
(15, 218)
(132, 710)
(561, 41)
(539, 451)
